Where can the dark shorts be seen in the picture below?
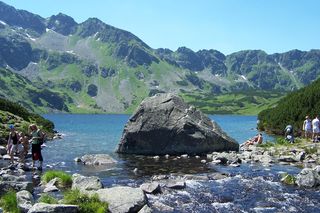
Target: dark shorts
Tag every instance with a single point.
(36, 152)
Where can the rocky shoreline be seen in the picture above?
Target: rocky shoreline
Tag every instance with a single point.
(135, 199)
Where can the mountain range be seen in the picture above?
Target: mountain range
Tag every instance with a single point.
(57, 64)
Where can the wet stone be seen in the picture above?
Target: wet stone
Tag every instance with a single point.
(176, 184)
(217, 176)
(151, 188)
(162, 207)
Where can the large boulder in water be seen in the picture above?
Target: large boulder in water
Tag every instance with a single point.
(165, 124)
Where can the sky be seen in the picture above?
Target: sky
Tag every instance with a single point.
(225, 25)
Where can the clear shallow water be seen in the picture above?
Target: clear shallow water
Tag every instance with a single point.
(250, 188)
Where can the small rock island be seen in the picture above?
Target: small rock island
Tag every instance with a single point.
(165, 124)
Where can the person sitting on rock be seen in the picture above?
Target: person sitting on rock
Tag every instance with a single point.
(258, 139)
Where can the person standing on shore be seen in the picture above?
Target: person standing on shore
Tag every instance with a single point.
(37, 136)
(13, 142)
(315, 129)
(307, 128)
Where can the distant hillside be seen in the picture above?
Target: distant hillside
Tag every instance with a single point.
(292, 109)
(95, 67)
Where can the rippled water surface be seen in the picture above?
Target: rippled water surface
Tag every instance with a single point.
(250, 188)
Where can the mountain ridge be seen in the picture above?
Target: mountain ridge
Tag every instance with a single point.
(102, 67)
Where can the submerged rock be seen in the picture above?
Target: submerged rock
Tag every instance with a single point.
(97, 159)
(165, 124)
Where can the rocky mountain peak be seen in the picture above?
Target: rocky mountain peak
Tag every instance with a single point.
(187, 58)
(62, 23)
(91, 26)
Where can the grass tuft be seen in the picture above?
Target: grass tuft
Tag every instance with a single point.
(9, 202)
(65, 180)
(86, 203)
(46, 198)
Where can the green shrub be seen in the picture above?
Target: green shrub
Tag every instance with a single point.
(46, 198)
(9, 202)
(65, 180)
(288, 179)
(86, 203)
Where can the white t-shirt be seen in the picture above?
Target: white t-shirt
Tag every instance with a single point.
(315, 125)
(307, 125)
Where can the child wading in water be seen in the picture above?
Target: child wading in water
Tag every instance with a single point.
(35, 141)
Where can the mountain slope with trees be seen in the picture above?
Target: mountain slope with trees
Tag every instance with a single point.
(292, 109)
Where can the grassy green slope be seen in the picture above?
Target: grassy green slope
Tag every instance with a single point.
(246, 103)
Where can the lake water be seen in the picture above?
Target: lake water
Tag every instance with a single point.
(250, 188)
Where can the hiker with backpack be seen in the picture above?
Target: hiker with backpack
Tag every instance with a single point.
(36, 142)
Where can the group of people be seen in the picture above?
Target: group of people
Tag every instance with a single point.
(18, 143)
(311, 128)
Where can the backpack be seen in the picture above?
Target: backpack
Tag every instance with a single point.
(42, 139)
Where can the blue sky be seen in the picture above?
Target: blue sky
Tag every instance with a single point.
(224, 25)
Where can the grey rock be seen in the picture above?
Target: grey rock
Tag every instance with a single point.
(151, 188)
(7, 177)
(195, 177)
(264, 159)
(98, 159)
(287, 158)
(159, 177)
(234, 164)
(7, 157)
(145, 209)
(53, 208)
(86, 183)
(25, 200)
(165, 124)
(123, 199)
(162, 207)
(216, 162)
(53, 182)
(176, 184)
(1, 211)
(3, 150)
(226, 157)
(217, 176)
(308, 178)
(51, 189)
(5, 186)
